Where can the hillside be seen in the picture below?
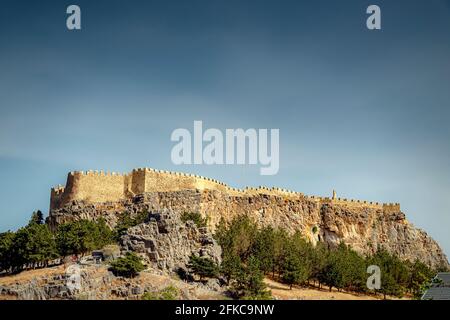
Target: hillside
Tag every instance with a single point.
(98, 283)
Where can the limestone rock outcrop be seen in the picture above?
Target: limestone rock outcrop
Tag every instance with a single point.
(166, 243)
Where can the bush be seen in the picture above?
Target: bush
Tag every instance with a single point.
(128, 266)
(202, 266)
(126, 221)
(195, 217)
(168, 293)
(184, 274)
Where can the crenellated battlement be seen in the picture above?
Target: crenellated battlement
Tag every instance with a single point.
(58, 189)
(99, 186)
(56, 196)
(96, 173)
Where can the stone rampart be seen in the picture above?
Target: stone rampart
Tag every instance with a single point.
(99, 186)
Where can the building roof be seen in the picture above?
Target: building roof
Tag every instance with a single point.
(440, 290)
(445, 277)
(437, 293)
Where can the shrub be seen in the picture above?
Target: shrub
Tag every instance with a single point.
(195, 217)
(126, 221)
(168, 293)
(202, 266)
(128, 266)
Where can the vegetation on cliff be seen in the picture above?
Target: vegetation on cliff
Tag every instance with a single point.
(203, 266)
(168, 293)
(195, 217)
(127, 266)
(127, 221)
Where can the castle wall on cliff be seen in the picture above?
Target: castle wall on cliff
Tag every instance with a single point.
(99, 186)
(363, 225)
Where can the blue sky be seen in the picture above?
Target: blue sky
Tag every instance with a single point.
(363, 112)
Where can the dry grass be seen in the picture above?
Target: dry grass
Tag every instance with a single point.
(282, 292)
(26, 276)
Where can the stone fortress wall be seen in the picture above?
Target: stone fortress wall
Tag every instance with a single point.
(99, 186)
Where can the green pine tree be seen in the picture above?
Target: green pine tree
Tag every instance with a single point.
(249, 283)
(202, 266)
(6, 243)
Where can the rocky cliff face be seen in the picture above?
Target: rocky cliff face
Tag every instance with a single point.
(362, 227)
(166, 243)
